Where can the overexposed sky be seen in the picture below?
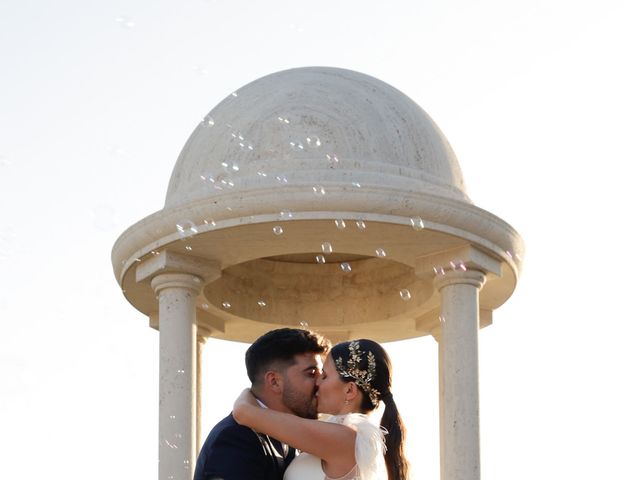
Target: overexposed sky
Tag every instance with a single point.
(540, 102)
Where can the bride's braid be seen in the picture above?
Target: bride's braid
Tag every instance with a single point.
(372, 374)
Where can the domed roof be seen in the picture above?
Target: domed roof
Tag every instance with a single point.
(317, 124)
(321, 193)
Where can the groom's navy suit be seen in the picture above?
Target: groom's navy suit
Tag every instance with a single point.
(235, 452)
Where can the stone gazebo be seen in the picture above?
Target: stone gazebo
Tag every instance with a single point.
(322, 197)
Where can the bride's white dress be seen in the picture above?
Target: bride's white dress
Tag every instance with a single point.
(369, 454)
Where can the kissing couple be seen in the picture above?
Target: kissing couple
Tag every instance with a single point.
(275, 431)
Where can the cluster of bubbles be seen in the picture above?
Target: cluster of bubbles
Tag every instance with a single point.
(187, 228)
(453, 265)
(227, 305)
(224, 178)
(310, 143)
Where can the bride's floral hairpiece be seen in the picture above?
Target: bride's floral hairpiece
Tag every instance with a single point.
(363, 378)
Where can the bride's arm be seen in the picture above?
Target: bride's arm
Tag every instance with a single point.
(332, 442)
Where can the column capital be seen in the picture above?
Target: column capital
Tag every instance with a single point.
(475, 278)
(180, 280)
(171, 262)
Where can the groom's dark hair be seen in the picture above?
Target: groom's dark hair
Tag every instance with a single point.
(275, 350)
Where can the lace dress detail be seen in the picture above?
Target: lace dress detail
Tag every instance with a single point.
(369, 453)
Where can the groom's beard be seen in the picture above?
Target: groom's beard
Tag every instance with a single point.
(299, 404)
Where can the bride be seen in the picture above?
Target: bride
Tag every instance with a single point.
(346, 444)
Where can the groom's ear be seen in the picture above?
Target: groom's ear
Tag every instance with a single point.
(273, 381)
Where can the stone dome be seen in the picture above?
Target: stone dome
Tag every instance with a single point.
(335, 126)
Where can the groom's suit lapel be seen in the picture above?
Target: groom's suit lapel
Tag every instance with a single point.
(283, 452)
(280, 454)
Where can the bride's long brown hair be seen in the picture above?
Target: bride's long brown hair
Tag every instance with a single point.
(397, 464)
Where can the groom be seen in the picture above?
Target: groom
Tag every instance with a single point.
(282, 366)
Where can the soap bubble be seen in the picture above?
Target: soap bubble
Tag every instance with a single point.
(104, 217)
(340, 224)
(278, 230)
(186, 228)
(125, 22)
(515, 255)
(439, 270)
(326, 248)
(200, 70)
(405, 294)
(417, 223)
(226, 305)
(230, 166)
(458, 265)
(313, 141)
(361, 225)
(380, 253)
(320, 259)
(345, 267)
(318, 190)
(286, 214)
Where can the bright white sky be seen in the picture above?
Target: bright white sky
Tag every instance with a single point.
(539, 100)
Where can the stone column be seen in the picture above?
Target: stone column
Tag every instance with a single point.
(459, 275)
(177, 408)
(201, 340)
(459, 387)
(177, 281)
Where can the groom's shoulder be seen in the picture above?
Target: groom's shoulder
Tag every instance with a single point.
(228, 426)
